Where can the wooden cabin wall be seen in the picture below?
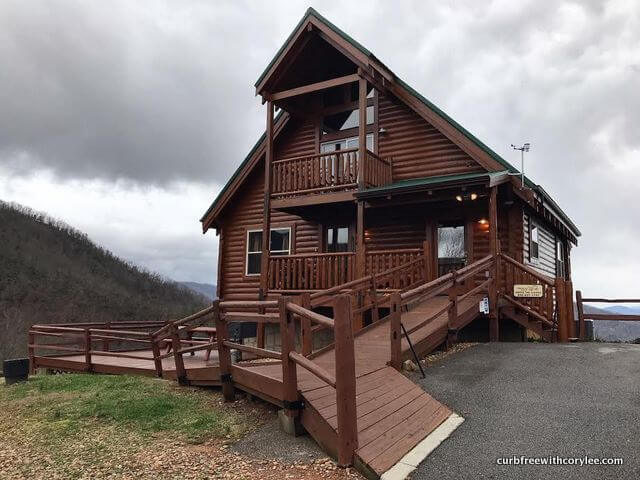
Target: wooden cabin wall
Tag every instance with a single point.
(417, 148)
(246, 210)
(546, 246)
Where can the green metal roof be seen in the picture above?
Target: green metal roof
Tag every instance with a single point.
(510, 168)
(419, 183)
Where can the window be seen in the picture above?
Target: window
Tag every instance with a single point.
(533, 243)
(560, 263)
(340, 121)
(345, 143)
(451, 242)
(337, 239)
(280, 244)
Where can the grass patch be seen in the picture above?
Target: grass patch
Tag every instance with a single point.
(65, 404)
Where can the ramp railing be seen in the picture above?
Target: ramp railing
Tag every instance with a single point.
(620, 317)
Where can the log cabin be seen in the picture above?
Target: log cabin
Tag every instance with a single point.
(357, 173)
(366, 212)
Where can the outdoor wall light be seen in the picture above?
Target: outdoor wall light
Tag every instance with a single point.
(474, 196)
(483, 221)
(459, 198)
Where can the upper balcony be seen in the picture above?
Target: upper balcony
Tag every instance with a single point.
(326, 177)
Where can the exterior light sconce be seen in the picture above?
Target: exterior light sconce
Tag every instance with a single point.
(467, 196)
(459, 198)
(382, 131)
(483, 221)
(474, 196)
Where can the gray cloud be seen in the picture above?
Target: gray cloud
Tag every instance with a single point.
(158, 92)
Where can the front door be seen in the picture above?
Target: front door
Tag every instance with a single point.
(452, 252)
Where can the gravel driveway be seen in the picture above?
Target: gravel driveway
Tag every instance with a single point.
(541, 400)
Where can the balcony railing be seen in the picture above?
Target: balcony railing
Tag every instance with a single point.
(327, 172)
(316, 271)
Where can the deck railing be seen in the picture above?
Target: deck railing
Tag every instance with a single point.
(327, 172)
(620, 317)
(380, 261)
(289, 311)
(309, 272)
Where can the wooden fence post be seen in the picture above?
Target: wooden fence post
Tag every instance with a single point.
(87, 349)
(345, 381)
(395, 331)
(176, 344)
(453, 311)
(32, 352)
(581, 326)
(105, 342)
(571, 322)
(428, 261)
(155, 349)
(561, 309)
(289, 375)
(306, 337)
(224, 353)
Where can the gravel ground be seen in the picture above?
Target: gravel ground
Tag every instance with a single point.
(537, 399)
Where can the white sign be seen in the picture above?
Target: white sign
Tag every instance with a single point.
(527, 291)
(484, 305)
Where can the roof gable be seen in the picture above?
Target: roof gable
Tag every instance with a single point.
(369, 65)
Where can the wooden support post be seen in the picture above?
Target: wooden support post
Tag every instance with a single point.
(306, 335)
(178, 358)
(345, 381)
(582, 333)
(561, 309)
(362, 131)
(395, 331)
(224, 354)
(87, 349)
(571, 322)
(375, 314)
(453, 311)
(155, 349)
(288, 344)
(494, 326)
(360, 257)
(32, 352)
(266, 217)
(260, 329)
(428, 260)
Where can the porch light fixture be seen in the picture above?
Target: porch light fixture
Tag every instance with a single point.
(466, 196)
(474, 196)
(483, 221)
(459, 198)
(382, 131)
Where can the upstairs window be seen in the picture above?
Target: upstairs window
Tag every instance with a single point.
(534, 248)
(337, 239)
(346, 120)
(345, 143)
(280, 244)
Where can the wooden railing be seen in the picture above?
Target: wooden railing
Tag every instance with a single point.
(94, 340)
(327, 172)
(309, 272)
(289, 311)
(582, 315)
(377, 170)
(454, 284)
(381, 261)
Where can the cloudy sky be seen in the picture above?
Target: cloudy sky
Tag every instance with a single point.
(125, 118)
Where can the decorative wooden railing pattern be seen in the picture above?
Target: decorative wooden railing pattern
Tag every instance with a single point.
(327, 172)
(310, 272)
(380, 261)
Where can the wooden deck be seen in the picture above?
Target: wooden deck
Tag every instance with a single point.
(393, 414)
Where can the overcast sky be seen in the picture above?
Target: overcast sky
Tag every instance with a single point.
(125, 118)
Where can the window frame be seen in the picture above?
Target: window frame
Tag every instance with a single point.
(249, 231)
(337, 226)
(533, 226)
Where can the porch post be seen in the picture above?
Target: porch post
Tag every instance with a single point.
(266, 218)
(362, 157)
(494, 327)
(358, 322)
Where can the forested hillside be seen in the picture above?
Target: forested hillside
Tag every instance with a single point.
(52, 273)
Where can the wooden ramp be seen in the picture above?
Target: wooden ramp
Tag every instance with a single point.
(393, 414)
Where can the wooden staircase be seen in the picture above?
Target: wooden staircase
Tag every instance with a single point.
(521, 317)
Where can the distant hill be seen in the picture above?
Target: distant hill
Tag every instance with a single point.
(206, 289)
(613, 330)
(52, 273)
